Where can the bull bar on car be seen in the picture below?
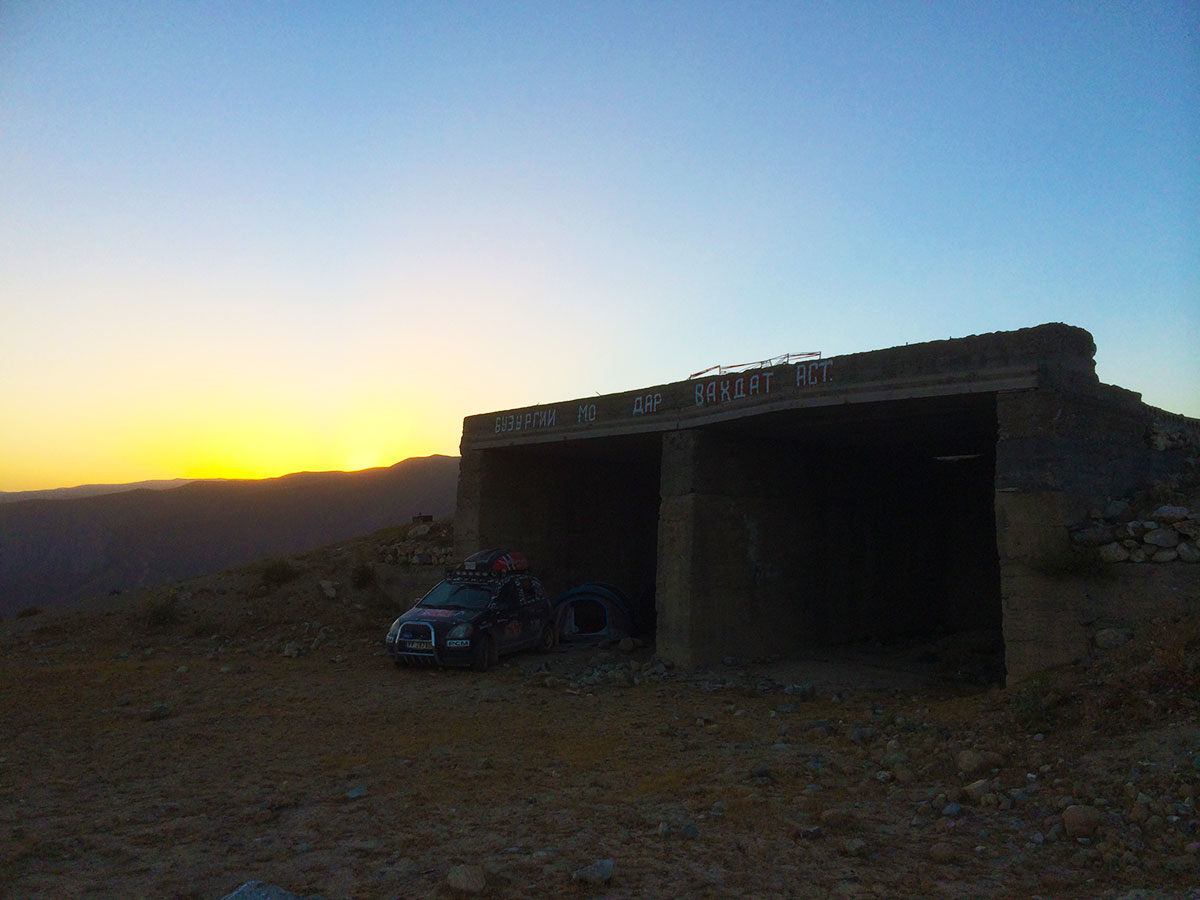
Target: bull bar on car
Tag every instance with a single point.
(417, 632)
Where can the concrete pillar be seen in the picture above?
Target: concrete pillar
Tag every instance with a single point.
(732, 546)
(469, 504)
(1045, 612)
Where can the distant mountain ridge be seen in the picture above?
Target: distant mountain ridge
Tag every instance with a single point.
(95, 490)
(57, 551)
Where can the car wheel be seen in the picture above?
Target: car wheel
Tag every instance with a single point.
(548, 639)
(485, 653)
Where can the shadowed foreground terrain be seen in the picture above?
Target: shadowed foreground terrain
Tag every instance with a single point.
(249, 726)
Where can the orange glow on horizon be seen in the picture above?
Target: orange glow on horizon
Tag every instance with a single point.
(234, 443)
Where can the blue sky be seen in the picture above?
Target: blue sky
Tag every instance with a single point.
(247, 239)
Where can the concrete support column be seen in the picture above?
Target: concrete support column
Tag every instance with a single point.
(469, 505)
(1045, 615)
(675, 581)
(730, 579)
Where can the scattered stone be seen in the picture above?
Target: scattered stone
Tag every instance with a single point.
(1114, 553)
(356, 793)
(977, 789)
(943, 852)
(852, 847)
(971, 761)
(468, 879)
(664, 829)
(1109, 638)
(1081, 821)
(1188, 552)
(260, 890)
(599, 872)
(329, 588)
(155, 712)
(291, 649)
(952, 810)
(801, 691)
(626, 645)
(689, 832)
(862, 734)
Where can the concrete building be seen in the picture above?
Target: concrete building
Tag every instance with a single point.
(913, 490)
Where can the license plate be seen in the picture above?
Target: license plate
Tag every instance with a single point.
(418, 645)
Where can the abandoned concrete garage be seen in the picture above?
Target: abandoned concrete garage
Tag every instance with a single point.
(900, 492)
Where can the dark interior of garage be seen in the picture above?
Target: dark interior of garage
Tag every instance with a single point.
(890, 514)
(581, 510)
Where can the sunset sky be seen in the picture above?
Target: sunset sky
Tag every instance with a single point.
(243, 239)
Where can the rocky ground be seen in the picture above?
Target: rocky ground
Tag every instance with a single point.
(250, 726)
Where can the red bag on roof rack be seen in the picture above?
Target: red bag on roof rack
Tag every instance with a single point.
(496, 561)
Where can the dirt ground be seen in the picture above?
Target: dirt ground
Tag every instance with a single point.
(176, 748)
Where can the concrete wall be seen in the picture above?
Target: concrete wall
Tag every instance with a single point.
(1062, 451)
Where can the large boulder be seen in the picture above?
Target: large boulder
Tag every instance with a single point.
(1170, 514)
(1162, 537)
(1188, 528)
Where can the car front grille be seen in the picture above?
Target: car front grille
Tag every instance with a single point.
(416, 641)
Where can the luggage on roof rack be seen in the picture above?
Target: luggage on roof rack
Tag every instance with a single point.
(496, 560)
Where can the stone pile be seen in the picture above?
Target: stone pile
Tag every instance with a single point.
(426, 544)
(1167, 534)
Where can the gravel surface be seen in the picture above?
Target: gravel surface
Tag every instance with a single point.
(252, 735)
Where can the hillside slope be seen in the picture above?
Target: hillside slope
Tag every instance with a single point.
(54, 552)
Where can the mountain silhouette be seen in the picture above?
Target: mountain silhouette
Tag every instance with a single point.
(56, 552)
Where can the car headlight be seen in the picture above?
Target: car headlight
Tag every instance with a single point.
(395, 627)
(462, 630)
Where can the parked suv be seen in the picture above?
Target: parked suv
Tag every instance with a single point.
(487, 607)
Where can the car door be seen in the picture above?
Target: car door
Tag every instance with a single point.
(508, 629)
